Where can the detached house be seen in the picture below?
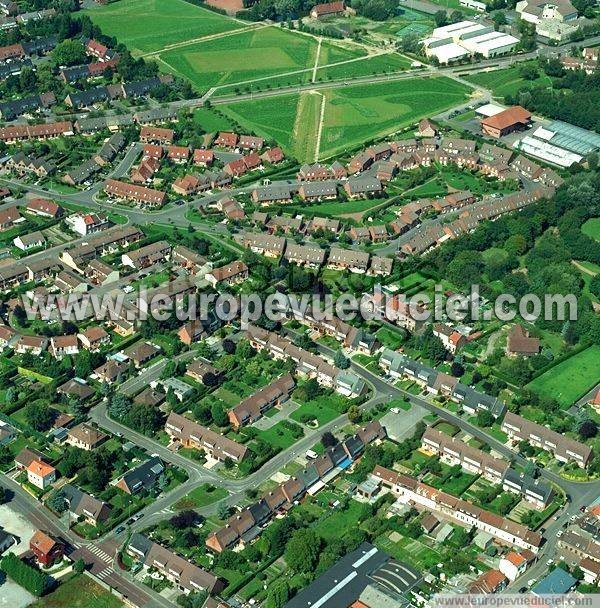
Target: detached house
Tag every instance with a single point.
(86, 437)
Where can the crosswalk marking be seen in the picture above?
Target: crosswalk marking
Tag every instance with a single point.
(100, 553)
(104, 573)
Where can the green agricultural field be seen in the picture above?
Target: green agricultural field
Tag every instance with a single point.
(147, 26)
(352, 114)
(569, 380)
(259, 53)
(508, 81)
(592, 228)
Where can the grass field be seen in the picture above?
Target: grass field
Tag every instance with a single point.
(206, 494)
(79, 592)
(150, 25)
(592, 228)
(254, 54)
(569, 380)
(380, 64)
(352, 114)
(508, 81)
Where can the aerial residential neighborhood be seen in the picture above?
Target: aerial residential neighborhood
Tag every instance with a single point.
(299, 303)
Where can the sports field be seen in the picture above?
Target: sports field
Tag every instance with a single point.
(592, 228)
(254, 54)
(569, 380)
(508, 81)
(352, 114)
(150, 25)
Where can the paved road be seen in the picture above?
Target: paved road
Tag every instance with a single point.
(42, 519)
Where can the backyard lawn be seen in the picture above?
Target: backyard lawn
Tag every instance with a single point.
(317, 410)
(146, 26)
(571, 379)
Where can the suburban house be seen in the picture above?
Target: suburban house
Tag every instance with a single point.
(93, 338)
(63, 346)
(82, 505)
(41, 474)
(47, 550)
(141, 353)
(520, 343)
(85, 437)
(142, 477)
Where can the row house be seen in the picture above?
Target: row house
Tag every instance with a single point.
(351, 337)
(410, 491)
(230, 274)
(348, 259)
(44, 208)
(318, 191)
(143, 196)
(156, 116)
(311, 173)
(268, 195)
(187, 259)
(21, 163)
(563, 448)
(13, 275)
(454, 451)
(190, 434)
(184, 575)
(148, 255)
(245, 526)
(178, 154)
(400, 366)
(144, 172)
(100, 273)
(252, 408)
(156, 135)
(362, 186)
(189, 185)
(264, 244)
(273, 155)
(231, 208)
(307, 363)
(203, 157)
(16, 133)
(304, 255)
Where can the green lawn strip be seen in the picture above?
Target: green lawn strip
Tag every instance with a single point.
(508, 81)
(202, 496)
(79, 592)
